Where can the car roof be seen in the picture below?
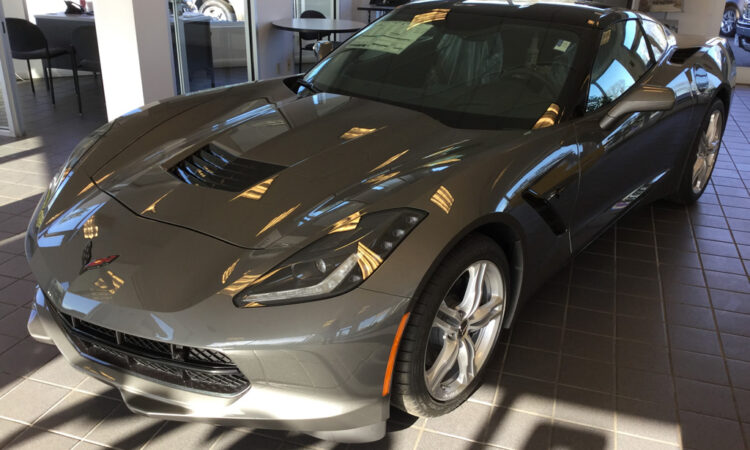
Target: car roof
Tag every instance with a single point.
(584, 14)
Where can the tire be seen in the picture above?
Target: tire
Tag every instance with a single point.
(422, 337)
(218, 10)
(729, 21)
(689, 192)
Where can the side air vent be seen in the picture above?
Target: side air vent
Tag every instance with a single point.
(215, 168)
(683, 54)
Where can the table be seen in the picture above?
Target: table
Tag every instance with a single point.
(377, 9)
(322, 26)
(325, 26)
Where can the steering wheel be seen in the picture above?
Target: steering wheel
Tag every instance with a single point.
(540, 82)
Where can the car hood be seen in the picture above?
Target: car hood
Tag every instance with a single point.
(254, 170)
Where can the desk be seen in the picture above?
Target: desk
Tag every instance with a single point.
(376, 9)
(58, 29)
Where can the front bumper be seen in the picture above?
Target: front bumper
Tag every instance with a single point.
(743, 28)
(299, 383)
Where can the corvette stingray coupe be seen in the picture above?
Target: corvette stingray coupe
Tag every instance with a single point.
(302, 253)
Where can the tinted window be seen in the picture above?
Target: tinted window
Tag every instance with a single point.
(464, 69)
(657, 37)
(622, 59)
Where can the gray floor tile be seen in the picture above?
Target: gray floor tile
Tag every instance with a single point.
(26, 357)
(648, 420)
(59, 371)
(8, 431)
(569, 436)
(34, 439)
(184, 435)
(700, 367)
(694, 339)
(587, 374)
(123, 429)
(513, 429)
(635, 443)
(467, 421)
(580, 406)
(525, 394)
(705, 398)
(702, 432)
(29, 400)
(739, 371)
(644, 385)
(430, 441)
(77, 414)
(589, 346)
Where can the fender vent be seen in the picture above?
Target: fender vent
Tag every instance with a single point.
(215, 168)
(683, 54)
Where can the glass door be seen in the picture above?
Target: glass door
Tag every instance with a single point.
(10, 112)
(211, 43)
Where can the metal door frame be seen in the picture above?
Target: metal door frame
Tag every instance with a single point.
(8, 88)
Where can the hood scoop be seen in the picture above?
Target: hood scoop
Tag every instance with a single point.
(215, 168)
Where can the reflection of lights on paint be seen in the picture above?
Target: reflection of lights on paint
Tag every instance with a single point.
(357, 132)
(389, 161)
(278, 219)
(90, 229)
(347, 223)
(152, 207)
(257, 191)
(443, 199)
(367, 260)
(377, 179)
(227, 273)
(549, 117)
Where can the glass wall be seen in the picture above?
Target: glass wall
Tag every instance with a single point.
(211, 43)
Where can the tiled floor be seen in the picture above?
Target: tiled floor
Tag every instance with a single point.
(643, 343)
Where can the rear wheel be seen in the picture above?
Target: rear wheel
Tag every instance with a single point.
(218, 10)
(452, 330)
(702, 159)
(729, 21)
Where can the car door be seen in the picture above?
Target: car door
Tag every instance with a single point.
(617, 163)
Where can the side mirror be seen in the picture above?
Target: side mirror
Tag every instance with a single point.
(643, 99)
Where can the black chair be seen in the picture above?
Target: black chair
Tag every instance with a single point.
(310, 36)
(85, 55)
(27, 42)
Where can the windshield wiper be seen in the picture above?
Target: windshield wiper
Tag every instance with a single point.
(308, 85)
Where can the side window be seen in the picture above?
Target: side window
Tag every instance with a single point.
(656, 37)
(622, 59)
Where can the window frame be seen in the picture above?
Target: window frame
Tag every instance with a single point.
(653, 63)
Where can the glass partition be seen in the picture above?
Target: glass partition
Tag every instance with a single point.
(211, 43)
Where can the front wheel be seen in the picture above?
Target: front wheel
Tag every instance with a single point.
(452, 330)
(702, 159)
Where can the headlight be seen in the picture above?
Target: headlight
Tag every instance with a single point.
(65, 171)
(353, 249)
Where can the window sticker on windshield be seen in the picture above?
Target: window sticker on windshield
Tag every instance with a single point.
(562, 45)
(606, 37)
(390, 37)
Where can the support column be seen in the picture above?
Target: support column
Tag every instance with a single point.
(135, 47)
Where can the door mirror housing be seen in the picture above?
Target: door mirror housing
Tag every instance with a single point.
(644, 98)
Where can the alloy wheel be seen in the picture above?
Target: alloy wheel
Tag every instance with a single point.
(464, 330)
(216, 13)
(708, 150)
(728, 21)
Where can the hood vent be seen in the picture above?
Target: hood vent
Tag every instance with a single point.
(215, 168)
(683, 54)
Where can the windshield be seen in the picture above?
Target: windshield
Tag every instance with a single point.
(466, 70)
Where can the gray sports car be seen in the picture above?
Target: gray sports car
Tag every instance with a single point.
(302, 253)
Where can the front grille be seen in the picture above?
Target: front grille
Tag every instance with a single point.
(190, 367)
(215, 168)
